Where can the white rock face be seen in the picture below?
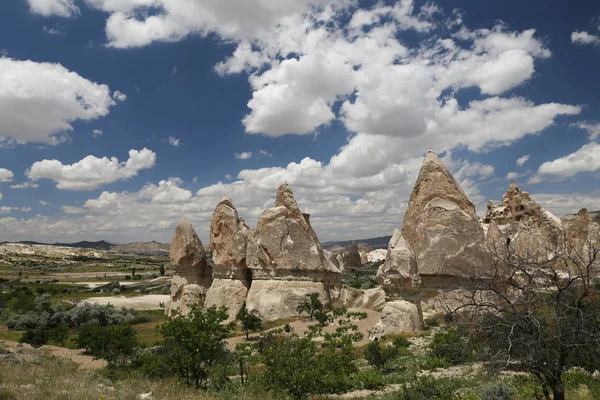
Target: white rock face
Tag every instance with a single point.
(187, 253)
(272, 300)
(397, 317)
(440, 224)
(184, 296)
(399, 274)
(283, 244)
(376, 255)
(373, 299)
(230, 293)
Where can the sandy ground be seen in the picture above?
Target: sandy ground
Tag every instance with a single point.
(77, 356)
(147, 302)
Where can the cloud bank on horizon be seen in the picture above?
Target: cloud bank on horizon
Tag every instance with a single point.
(385, 83)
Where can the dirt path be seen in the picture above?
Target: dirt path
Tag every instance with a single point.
(77, 356)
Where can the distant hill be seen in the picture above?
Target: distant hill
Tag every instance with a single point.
(154, 248)
(375, 243)
(143, 248)
(100, 245)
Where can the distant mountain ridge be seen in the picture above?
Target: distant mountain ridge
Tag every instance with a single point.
(380, 242)
(152, 247)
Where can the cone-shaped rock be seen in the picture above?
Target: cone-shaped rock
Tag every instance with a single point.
(228, 240)
(286, 261)
(440, 224)
(187, 253)
(283, 243)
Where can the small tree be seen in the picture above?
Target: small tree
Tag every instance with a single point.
(542, 317)
(161, 270)
(196, 341)
(309, 304)
(115, 344)
(248, 321)
(242, 354)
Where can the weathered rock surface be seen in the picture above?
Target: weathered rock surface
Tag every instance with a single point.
(228, 240)
(363, 257)
(398, 275)
(532, 232)
(397, 317)
(373, 299)
(230, 293)
(376, 255)
(582, 235)
(284, 245)
(187, 253)
(352, 258)
(276, 299)
(184, 296)
(440, 224)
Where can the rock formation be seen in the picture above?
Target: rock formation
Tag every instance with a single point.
(286, 260)
(396, 317)
(376, 255)
(582, 235)
(228, 242)
(441, 227)
(398, 275)
(184, 296)
(187, 253)
(352, 258)
(532, 232)
(373, 299)
(363, 257)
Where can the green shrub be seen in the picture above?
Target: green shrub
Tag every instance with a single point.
(248, 321)
(153, 363)
(115, 344)
(432, 322)
(451, 345)
(497, 391)
(35, 337)
(428, 388)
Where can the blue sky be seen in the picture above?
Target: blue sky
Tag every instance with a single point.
(119, 117)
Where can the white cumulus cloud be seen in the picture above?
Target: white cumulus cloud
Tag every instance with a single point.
(585, 38)
(586, 159)
(246, 155)
(92, 172)
(40, 100)
(522, 160)
(6, 175)
(47, 8)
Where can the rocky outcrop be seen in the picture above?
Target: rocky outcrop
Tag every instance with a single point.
(277, 299)
(376, 255)
(230, 293)
(582, 235)
(228, 244)
(184, 296)
(363, 257)
(397, 317)
(373, 299)
(398, 275)
(187, 253)
(519, 223)
(284, 245)
(286, 261)
(228, 240)
(352, 258)
(440, 225)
